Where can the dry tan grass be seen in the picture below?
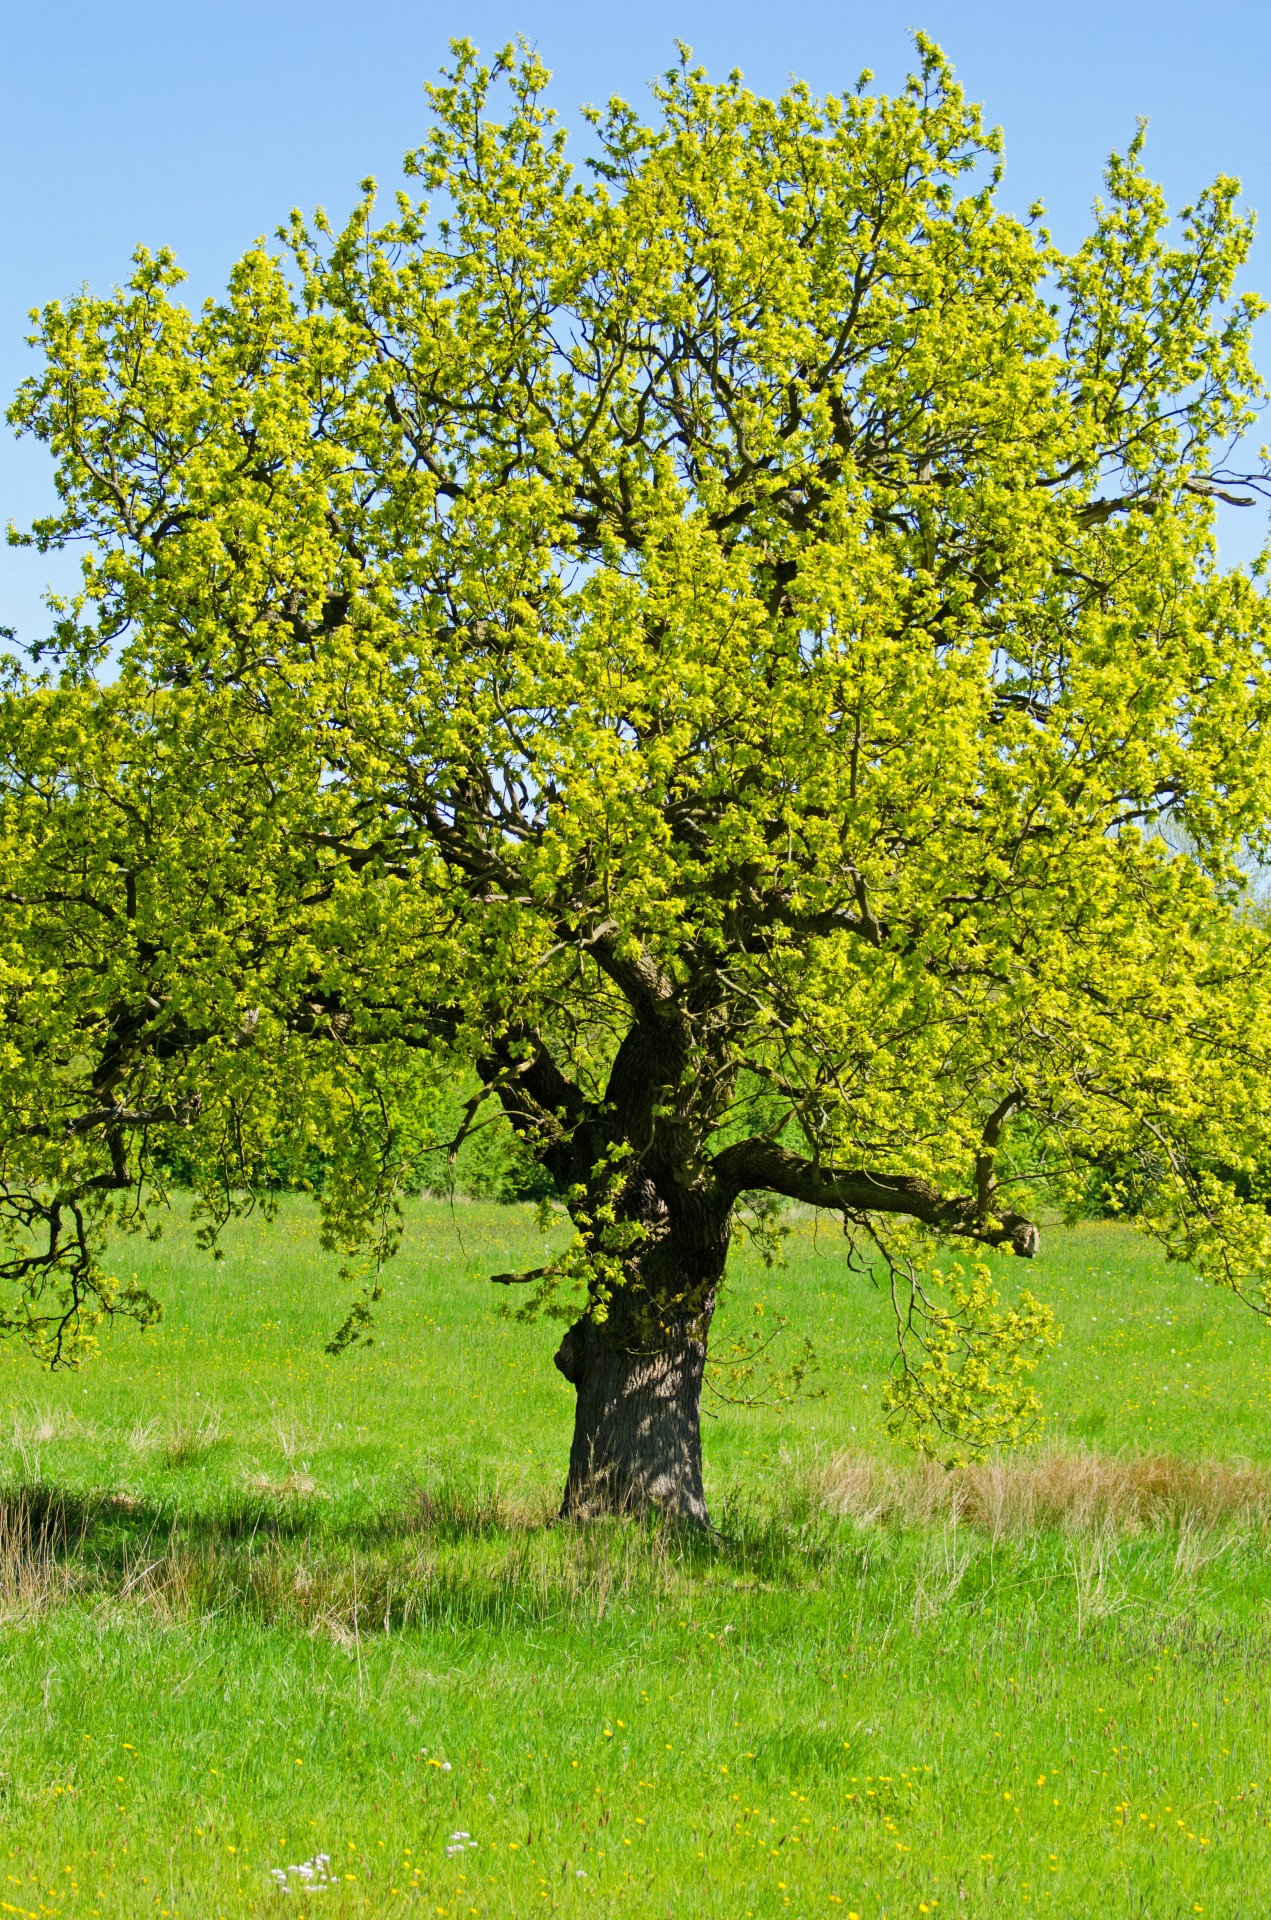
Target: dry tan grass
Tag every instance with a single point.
(483, 1508)
(143, 1435)
(1077, 1492)
(295, 1486)
(189, 1439)
(184, 1440)
(477, 1556)
(36, 1426)
(296, 1439)
(38, 1541)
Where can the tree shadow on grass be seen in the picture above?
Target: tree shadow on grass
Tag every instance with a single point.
(458, 1554)
(461, 1556)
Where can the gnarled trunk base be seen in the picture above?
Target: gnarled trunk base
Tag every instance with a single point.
(637, 1423)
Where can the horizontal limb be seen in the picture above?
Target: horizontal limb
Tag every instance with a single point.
(759, 1164)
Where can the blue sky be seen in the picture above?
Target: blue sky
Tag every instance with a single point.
(200, 125)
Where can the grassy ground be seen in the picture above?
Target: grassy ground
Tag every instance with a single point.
(258, 1606)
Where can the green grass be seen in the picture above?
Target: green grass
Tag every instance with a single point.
(252, 1598)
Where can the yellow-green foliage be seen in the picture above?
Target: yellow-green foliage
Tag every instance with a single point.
(715, 646)
(969, 1375)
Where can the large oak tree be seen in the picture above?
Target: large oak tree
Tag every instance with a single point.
(723, 653)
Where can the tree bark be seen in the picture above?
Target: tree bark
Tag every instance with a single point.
(637, 1421)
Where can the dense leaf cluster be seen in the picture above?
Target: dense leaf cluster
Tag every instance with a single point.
(709, 647)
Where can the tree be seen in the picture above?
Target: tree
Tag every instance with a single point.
(709, 649)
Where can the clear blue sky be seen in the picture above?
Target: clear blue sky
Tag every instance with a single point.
(199, 125)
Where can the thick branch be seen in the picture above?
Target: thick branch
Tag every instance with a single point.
(986, 1158)
(758, 1164)
(134, 1117)
(548, 1111)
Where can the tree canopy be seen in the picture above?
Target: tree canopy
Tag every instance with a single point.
(723, 655)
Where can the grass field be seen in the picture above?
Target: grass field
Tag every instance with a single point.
(259, 1605)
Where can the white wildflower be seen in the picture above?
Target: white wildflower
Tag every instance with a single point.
(312, 1875)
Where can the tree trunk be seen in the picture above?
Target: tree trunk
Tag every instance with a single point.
(637, 1422)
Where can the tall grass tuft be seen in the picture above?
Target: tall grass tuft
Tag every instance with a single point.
(1076, 1492)
(39, 1543)
(188, 1441)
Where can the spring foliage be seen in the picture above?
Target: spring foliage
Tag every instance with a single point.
(713, 645)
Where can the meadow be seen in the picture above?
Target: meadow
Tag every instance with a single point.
(282, 1632)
